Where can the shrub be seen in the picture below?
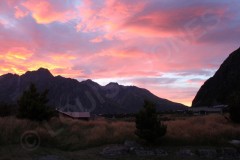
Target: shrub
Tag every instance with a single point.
(234, 111)
(148, 125)
(33, 105)
(7, 109)
(234, 108)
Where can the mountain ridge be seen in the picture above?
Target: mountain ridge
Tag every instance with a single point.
(69, 94)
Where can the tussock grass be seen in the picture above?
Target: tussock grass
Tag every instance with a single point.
(202, 130)
(69, 134)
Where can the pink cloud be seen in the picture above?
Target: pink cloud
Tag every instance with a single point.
(20, 13)
(105, 15)
(174, 21)
(118, 19)
(45, 11)
(96, 40)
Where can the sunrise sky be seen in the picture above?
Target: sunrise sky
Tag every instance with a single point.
(169, 47)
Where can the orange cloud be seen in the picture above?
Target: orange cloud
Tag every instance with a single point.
(20, 60)
(18, 54)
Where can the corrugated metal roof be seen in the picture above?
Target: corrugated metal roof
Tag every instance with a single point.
(77, 114)
(208, 109)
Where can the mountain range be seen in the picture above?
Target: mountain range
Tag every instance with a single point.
(71, 95)
(223, 85)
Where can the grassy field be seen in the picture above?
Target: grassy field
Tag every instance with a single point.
(201, 130)
(68, 134)
(65, 133)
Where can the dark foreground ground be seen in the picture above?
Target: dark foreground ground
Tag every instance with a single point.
(16, 152)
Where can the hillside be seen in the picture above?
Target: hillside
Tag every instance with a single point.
(219, 88)
(71, 95)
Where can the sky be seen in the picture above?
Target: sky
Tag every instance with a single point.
(169, 47)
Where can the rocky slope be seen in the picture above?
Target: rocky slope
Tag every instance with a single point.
(219, 88)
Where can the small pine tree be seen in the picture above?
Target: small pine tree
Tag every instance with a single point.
(234, 107)
(33, 105)
(7, 109)
(149, 127)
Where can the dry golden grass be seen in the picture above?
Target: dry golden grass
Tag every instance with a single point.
(69, 134)
(11, 128)
(207, 130)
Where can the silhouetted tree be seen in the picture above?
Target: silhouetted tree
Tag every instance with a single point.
(149, 127)
(7, 109)
(234, 107)
(33, 105)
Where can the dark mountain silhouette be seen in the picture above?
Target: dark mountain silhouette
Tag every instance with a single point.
(71, 95)
(219, 88)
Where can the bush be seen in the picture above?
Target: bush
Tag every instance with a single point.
(234, 111)
(234, 108)
(33, 105)
(7, 109)
(148, 125)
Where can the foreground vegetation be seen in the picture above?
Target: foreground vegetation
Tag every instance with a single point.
(212, 129)
(148, 125)
(69, 134)
(65, 133)
(33, 105)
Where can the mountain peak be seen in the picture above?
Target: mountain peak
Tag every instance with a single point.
(112, 84)
(41, 68)
(90, 82)
(225, 82)
(42, 72)
(9, 75)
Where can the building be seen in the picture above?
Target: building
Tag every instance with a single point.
(76, 115)
(207, 110)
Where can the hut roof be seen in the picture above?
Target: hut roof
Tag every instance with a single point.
(76, 114)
